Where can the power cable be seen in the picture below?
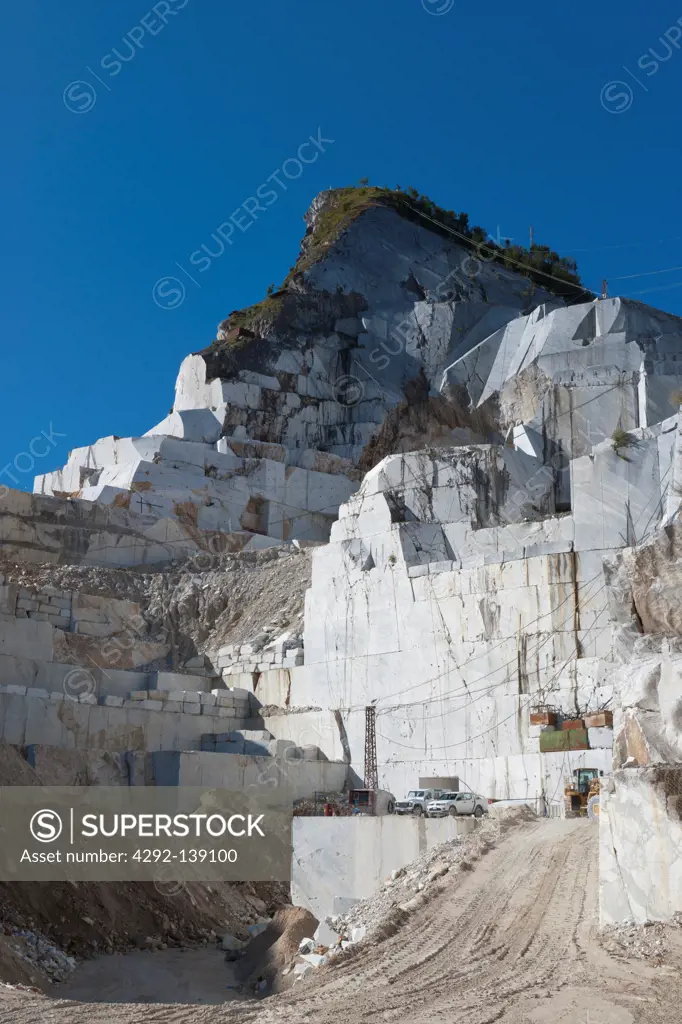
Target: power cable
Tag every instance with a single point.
(456, 693)
(648, 273)
(660, 288)
(532, 696)
(507, 259)
(485, 653)
(469, 739)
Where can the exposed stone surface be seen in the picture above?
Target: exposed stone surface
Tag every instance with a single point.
(641, 845)
(513, 546)
(464, 586)
(203, 604)
(339, 861)
(623, 359)
(395, 337)
(44, 529)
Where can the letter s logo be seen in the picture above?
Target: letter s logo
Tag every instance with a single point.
(46, 826)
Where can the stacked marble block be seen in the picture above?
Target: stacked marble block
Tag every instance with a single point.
(30, 715)
(259, 743)
(87, 614)
(220, 703)
(45, 605)
(77, 671)
(217, 703)
(260, 655)
(43, 529)
(172, 691)
(273, 488)
(90, 615)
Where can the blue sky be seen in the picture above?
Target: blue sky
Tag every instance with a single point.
(116, 170)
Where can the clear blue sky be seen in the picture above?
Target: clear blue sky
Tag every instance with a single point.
(493, 108)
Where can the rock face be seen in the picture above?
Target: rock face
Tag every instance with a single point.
(641, 845)
(641, 804)
(453, 594)
(396, 337)
(574, 375)
(209, 488)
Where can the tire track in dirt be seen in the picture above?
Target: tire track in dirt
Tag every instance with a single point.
(512, 941)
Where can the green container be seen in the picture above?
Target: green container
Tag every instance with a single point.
(563, 739)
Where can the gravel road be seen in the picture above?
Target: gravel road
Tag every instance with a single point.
(513, 940)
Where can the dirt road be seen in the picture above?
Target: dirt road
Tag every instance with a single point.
(512, 941)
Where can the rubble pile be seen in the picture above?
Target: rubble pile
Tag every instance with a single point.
(268, 710)
(641, 942)
(310, 808)
(100, 581)
(42, 954)
(207, 602)
(233, 602)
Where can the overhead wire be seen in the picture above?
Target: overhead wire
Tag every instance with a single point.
(507, 259)
(647, 273)
(489, 651)
(470, 739)
(531, 697)
(522, 705)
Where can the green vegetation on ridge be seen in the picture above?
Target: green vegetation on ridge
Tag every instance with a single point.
(544, 267)
(540, 263)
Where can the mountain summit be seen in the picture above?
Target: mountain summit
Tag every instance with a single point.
(398, 326)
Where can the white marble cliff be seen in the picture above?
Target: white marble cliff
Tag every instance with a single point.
(395, 336)
(483, 459)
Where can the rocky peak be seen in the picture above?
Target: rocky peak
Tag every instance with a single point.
(398, 326)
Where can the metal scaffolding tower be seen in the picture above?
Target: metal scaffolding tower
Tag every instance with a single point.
(371, 768)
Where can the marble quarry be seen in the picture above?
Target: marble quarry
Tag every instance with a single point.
(272, 425)
(491, 480)
(208, 488)
(574, 375)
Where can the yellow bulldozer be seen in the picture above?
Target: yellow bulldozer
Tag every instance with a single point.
(581, 793)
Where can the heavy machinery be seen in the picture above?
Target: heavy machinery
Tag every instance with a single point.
(581, 793)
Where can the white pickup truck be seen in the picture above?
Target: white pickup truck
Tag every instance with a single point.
(457, 803)
(417, 801)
